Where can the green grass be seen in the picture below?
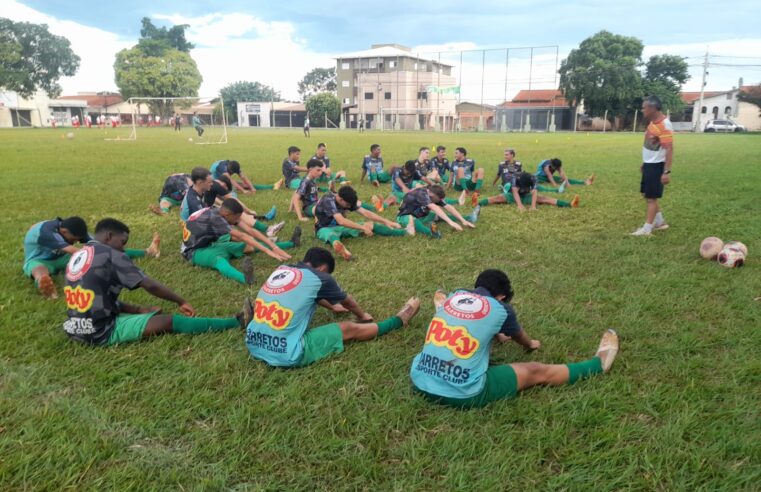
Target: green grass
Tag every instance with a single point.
(679, 411)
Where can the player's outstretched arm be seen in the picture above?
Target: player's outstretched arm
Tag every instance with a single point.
(157, 289)
(522, 339)
(364, 173)
(401, 185)
(443, 216)
(344, 222)
(550, 176)
(458, 216)
(377, 218)
(517, 199)
(246, 181)
(336, 308)
(247, 238)
(353, 306)
(297, 206)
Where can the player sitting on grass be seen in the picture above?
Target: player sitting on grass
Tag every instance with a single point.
(48, 245)
(372, 166)
(279, 332)
(453, 367)
(221, 189)
(466, 177)
(305, 198)
(172, 194)
(545, 173)
(404, 179)
(426, 205)
(244, 185)
(95, 277)
(522, 191)
(331, 224)
(441, 165)
(210, 241)
(328, 176)
(424, 165)
(291, 168)
(194, 201)
(509, 169)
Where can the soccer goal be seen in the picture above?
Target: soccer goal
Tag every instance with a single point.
(199, 120)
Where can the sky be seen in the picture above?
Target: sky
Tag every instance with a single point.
(276, 43)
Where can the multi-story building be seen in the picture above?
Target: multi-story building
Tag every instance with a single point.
(390, 87)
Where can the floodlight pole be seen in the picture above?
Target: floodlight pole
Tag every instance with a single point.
(702, 93)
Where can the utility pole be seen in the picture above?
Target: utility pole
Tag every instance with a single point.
(699, 109)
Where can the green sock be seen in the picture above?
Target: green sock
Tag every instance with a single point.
(464, 183)
(383, 230)
(451, 201)
(166, 209)
(264, 187)
(373, 176)
(260, 226)
(389, 324)
(227, 270)
(582, 370)
(285, 244)
(368, 206)
(483, 202)
(547, 189)
(341, 179)
(421, 227)
(323, 189)
(479, 184)
(564, 204)
(182, 324)
(577, 181)
(135, 253)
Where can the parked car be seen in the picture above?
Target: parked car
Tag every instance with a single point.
(723, 126)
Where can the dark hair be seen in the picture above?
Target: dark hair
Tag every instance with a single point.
(226, 181)
(438, 191)
(199, 174)
(314, 163)
(293, 149)
(233, 167)
(439, 148)
(462, 150)
(653, 101)
(233, 206)
(556, 163)
(318, 257)
(512, 151)
(111, 225)
(410, 167)
(496, 282)
(321, 146)
(525, 180)
(424, 148)
(348, 195)
(76, 226)
(374, 146)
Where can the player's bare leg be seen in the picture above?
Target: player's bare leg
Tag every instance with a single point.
(154, 250)
(410, 227)
(360, 332)
(278, 184)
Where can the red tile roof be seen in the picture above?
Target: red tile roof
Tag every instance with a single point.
(690, 97)
(552, 98)
(94, 100)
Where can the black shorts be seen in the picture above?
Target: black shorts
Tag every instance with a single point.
(651, 185)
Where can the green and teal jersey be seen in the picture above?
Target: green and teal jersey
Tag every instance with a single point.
(283, 310)
(455, 356)
(468, 165)
(43, 241)
(540, 172)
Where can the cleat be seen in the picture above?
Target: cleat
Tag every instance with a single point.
(154, 250)
(270, 215)
(156, 209)
(463, 195)
(246, 314)
(296, 237)
(473, 217)
(278, 184)
(608, 349)
(641, 232)
(591, 179)
(409, 310)
(575, 201)
(248, 270)
(275, 228)
(410, 227)
(339, 247)
(435, 233)
(377, 203)
(474, 199)
(439, 298)
(46, 286)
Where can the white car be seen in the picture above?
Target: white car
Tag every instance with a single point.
(723, 126)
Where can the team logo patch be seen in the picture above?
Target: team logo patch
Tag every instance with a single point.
(466, 305)
(80, 263)
(272, 314)
(456, 338)
(79, 299)
(282, 280)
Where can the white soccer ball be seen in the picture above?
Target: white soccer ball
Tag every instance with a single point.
(190, 139)
(738, 245)
(730, 257)
(710, 247)
(70, 135)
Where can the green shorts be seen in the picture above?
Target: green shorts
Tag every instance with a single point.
(525, 199)
(321, 342)
(324, 178)
(223, 247)
(54, 266)
(383, 176)
(501, 383)
(129, 328)
(309, 210)
(403, 220)
(399, 195)
(470, 185)
(542, 178)
(294, 185)
(336, 233)
(418, 183)
(174, 202)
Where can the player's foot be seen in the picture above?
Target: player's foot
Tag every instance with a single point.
(561, 188)
(473, 217)
(410, 227)
(296, 237)
(474, 199)
(246, 314)
(439, 298)
(463, 195)
(591, 179)
(377, 203)
(642, 231)
(332, 186)
(275, 228)
(435, 233)
(376, 183)
(340, 249)
(343, 183)
(660, 227)
(248, 270)
(46, 286)
(270, 215)
(575, 201)
(278, 184)
(156, 209)
(409, 310)
(608, 349)
(154, 250)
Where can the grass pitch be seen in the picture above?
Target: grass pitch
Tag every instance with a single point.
(679, 411)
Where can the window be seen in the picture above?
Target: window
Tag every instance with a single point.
(346, 100)
(345, 66)
(424, 68)
(368, 95)
(387, 95)
(703, 110)
(422, 95)
(728, 110)
(344, 83)
(392, 64)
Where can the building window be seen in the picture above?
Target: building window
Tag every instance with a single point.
(387, 95)
(425, 67)
(346, 100)
(368, 95)
(392, 64)
(422, 95)
(345, 66)
(703, 110)
(728, 110)
(344, 83)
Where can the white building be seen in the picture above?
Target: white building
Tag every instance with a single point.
(271, 114)
(722, 105)
(38, 110)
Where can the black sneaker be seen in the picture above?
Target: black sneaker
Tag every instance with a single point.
(248, 270)
(246, 314)
(296, 237)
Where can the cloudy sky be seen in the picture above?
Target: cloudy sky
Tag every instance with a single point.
(277, 42)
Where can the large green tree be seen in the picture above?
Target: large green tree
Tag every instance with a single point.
(751, 95)
(317, 81)
(155, 67)
(31, 58)
(242, 91)
(320, 105)
(174, 37)
(664, 76)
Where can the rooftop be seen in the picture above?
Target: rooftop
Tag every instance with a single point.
(385, 51)
(541, 98)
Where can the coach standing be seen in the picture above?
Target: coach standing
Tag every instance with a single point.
(657, 155)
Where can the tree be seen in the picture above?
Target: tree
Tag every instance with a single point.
(320, 104)
(751, 95)
(316, 81)
(173, 37)
(237, 92)
(31, 58)
(664, 77)
(603, 72)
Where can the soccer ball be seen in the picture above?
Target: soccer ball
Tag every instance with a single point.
(711, 247)
(738, 245)
(730, 257)
(190, 139)
(70, 135)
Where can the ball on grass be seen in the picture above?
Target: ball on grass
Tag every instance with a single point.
(711, 247)
(70, 135)
(738, 245)
(730, 257)
(190, 139)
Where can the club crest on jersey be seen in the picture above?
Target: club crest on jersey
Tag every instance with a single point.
(456, 338)
(272, 314)
(282, 280)
(80, 263)
(79, 299)
(467, 305)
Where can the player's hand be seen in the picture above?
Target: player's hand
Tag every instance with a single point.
(304, 219)
(187, 310)
(533, 345)
(248, 192)
(665, 178)
(283, 255)
(533, 209)
(338, 308)
(522, 208)
(367, 229)
(469, 224)
(502, 338)
(365, 318)
(457, 227)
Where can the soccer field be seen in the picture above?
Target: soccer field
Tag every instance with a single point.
(680, 410)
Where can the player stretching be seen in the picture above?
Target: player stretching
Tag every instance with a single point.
(466, 177)
(244, 185)
(305, 198)
(291, 168)
(172, 194)
(426, 205)
(328, 176)
(522, 191)
(545, 173)
(441, 165)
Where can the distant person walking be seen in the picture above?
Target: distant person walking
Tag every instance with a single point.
(306, 128)
(197, 125)
(657, 156)
(177, 122)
